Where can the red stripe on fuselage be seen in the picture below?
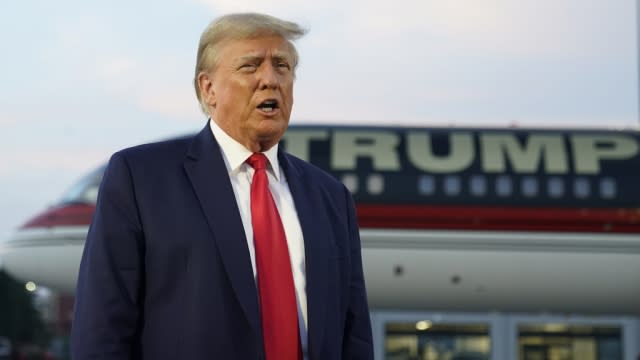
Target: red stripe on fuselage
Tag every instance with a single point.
(499, 218)
(433, 217)
(63, 215)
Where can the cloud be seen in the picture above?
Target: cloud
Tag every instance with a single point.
(156, 85)
(118, 67)
(33, 160)
(284, 8)
(8, 118)
(374, 59)
(544, 28)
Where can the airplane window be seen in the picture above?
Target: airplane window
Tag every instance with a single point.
(452, 185)
(375, 184)
(478, 185)
(351, 182)
(529, 186)
(555, 187)
(581, 188)
(608, 188)
(85, 191)
(504, 187)
(426, 185)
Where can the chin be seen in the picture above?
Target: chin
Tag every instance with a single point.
(272, 127)
(267, 138)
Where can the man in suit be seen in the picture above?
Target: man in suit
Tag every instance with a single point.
(221, 245)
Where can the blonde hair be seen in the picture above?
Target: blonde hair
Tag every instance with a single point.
(240, 26)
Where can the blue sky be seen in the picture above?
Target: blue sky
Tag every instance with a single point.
(82, 79)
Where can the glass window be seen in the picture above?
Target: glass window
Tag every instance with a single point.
(85, 191)
(427, 341)
(426, 185)
(375, 184)
(608, 188)
(555, 187)
(478, 185)
(504, 186)
(529, 186)
(581, 188)
(569, 342)
(452, 185)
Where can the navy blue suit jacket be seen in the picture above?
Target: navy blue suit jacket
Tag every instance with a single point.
(166, 272)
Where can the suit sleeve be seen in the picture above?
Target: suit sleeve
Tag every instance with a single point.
(108, 307)
(358, 340)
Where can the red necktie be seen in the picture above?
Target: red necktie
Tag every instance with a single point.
(278, 307)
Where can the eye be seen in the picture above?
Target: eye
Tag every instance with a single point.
(283, 66)
(248, 67)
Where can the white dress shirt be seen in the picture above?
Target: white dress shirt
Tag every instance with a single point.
(241, 174)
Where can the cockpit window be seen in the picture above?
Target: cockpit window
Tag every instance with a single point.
(85, 191)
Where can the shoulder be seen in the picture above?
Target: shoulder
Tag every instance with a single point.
(161, 150)
(151, 160)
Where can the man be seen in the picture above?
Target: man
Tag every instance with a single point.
(222, 246)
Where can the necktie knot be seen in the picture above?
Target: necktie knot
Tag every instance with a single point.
(257, 161)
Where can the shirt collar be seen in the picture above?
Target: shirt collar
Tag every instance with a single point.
(235, 154)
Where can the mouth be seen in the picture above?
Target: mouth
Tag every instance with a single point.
(269, 106)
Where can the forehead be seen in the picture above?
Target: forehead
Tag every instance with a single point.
(234, 49)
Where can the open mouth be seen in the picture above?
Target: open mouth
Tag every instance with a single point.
(268, 105)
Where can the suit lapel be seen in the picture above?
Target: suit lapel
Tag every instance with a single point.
(316, 243)
(207, 172)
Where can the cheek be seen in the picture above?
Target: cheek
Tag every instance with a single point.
(290, 100)
(236, 84)
(287, 93)
(233, 95)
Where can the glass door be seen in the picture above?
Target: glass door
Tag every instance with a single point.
(558, 341)
(424, 340)
(434, 336)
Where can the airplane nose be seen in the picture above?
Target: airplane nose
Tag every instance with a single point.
(47, 249)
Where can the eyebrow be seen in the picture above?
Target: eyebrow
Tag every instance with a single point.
(277, 55)
(281, 57)
(249, 58)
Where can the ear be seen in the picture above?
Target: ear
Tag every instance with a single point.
(205, 84)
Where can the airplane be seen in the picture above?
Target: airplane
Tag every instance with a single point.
(451, 219)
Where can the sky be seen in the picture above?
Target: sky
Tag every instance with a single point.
(80, 80)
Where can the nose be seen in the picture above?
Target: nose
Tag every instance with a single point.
(268, 77)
